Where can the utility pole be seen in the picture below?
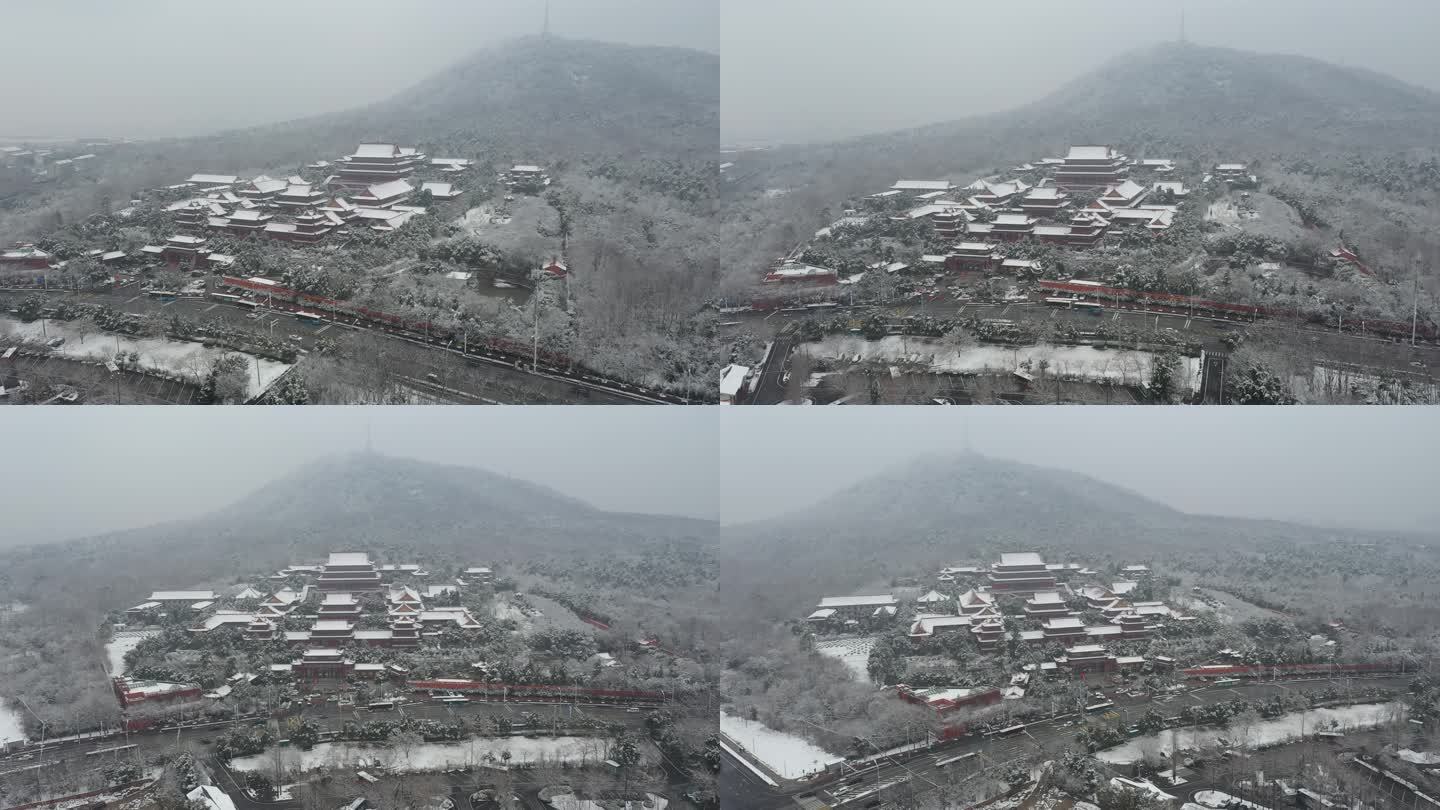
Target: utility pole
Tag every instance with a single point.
(535, 340)
(1415, 302)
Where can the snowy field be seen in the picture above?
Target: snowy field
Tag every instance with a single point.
(124, 641)
(10, 728)
(503, 609)
(1084, 362)
(569, 801)
(786, 754)
(1232, 610)
(854, 653)
(437, 756)
(1419, 757)
(181, 358)
(516, 229)
(554, 615)
(1219, 798)
(1265, 733)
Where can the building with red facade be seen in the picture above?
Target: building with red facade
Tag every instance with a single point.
(950, 223)
(1062, 628)
(134, 692)
(1089, 658)
(320, 662)
(1046, 603)
(972, 256)
(375, 163)
(25, 257)
(348, 571)
(339, 606)
(988, 632)
(332, 632)
(1023, 573)
(1012, 227)
(1091, 167)
(1045, 202)
(383, 195)
(945, 701)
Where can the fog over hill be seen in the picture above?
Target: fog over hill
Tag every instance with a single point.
(1165, 96)
(279, 61)
(397, 509)
(872, 69)
(953, 508)
(1356, 147)
(526, 99)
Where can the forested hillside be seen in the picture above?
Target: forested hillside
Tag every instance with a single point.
(643, 574)
(1350, 155)
(628, 134)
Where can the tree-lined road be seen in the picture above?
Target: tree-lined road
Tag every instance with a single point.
(80, 755)
(282, 324)
(1045, 737)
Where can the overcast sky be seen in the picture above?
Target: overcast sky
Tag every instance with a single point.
(802, 70)
(1356, 467)
(146, 68)
(72, 472)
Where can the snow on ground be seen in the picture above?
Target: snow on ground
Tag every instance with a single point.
(786, 754)
(436, 756)
(182, 358)
(124, 642)
(1419, 757)
(1086, 362)
(10, 725)
(1262, 734)
(107, 799)
(1324, 380)
(481, 215)
(517, 228)
(854, 653)
(503, 609)
(569, 801)
(1232, 608)
(555, 615)
(1218, 798)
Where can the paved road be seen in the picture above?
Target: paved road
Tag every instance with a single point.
(283, 325)
(331, 717)
(770, 389)
(1048, 736)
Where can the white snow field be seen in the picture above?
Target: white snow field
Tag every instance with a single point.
(786, 754)
(1262, 734)
(437, 756)
(179, 358)
(1085, 362)
(853, 652)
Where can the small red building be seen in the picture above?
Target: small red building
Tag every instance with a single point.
(25, 256)
(972, 256)
(945, 701)
(132, 693)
